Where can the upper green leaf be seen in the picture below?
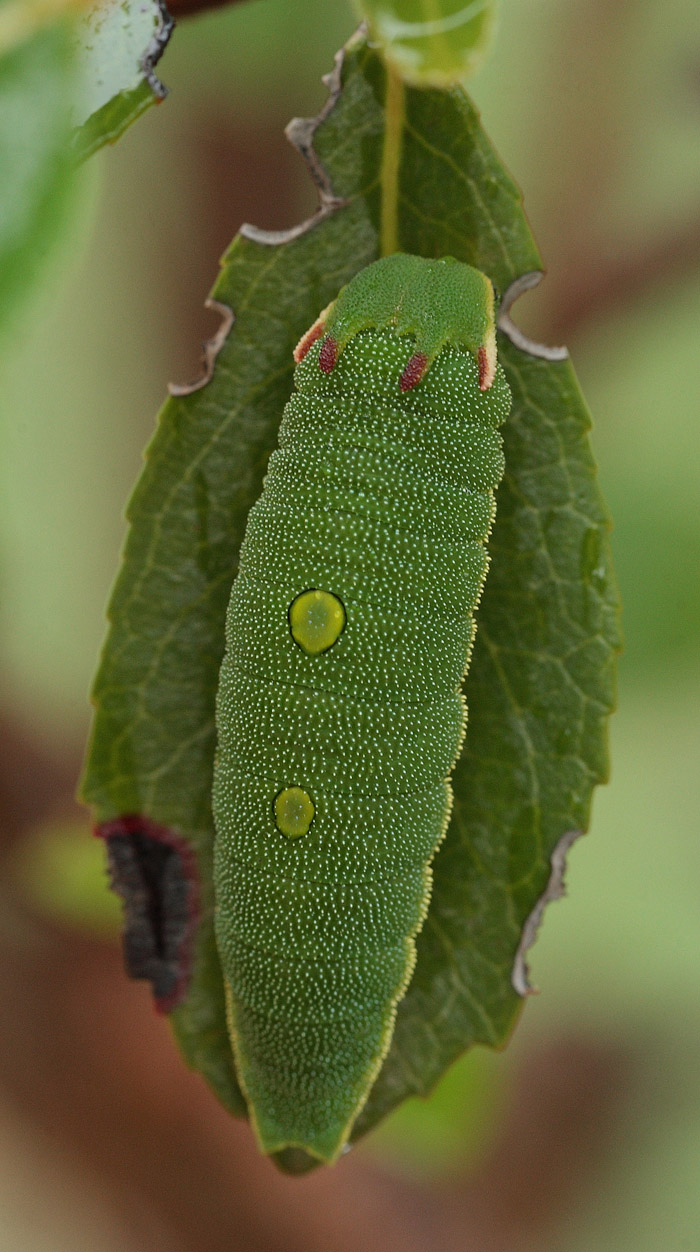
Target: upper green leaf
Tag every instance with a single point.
(431, 42)
(118, 43)
(37, 85)
(58, 71)
(541, 680)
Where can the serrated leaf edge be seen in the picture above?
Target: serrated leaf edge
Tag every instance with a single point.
(524, 283)
(156, 47)
(300, 132)
(210, 349)
(555, 889)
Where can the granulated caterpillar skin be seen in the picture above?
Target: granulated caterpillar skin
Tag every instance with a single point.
(339, 710)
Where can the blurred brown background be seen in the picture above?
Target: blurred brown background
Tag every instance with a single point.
(585, 1133)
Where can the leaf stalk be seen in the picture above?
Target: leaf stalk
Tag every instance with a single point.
(394, 108)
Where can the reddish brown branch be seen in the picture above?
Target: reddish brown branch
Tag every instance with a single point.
(93, 1072)
(599, 284)
(185, 8)
(35, 780)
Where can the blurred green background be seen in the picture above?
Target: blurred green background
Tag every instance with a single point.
(595, 108)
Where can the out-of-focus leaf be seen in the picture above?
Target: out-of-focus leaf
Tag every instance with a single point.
(443, 1137)
(431, 42)
(61, 871)
(118, 43)
(36, 93)
(541, 681)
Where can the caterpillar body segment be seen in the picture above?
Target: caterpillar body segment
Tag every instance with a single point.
(339, 710)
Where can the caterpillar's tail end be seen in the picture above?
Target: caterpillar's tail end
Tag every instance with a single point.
(325, 1149)
(282, 1131)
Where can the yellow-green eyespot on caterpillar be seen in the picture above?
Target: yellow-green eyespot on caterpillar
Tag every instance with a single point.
(316, 619)
(294, 811)
(339, 710)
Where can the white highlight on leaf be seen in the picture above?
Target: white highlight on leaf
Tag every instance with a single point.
(117, 44)
(394, 28)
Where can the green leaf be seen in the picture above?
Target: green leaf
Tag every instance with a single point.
(431, 43)
(36, 94)
(61, 871)
(153, 740)
(56, 71)
(541, 681)
(118, 44)
(541, 686)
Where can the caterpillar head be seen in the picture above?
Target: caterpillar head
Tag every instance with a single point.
(436, 302)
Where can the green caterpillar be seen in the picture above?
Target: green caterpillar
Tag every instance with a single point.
(339, 710)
